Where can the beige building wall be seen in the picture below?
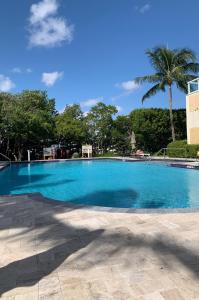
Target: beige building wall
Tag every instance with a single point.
(192, 107)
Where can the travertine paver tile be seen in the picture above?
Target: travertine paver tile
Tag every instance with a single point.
(173, 294)
(7, 298)
(121, 295)
(151, 286)
(187, 286)
(75, 289)
(153, 296)
(27, 296)
(52, 295)
(20, 291)
(48, 251)
(98, 289)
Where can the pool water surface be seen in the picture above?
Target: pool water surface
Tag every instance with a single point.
(105, 183)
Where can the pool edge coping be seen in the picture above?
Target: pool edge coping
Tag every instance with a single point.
(173, 162)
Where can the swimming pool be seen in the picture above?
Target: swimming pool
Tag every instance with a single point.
(105, 183)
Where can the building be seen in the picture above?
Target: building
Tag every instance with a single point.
(192, 108)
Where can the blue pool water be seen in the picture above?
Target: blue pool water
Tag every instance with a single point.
(105, 183)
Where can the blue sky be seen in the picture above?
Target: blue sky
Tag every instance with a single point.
(91, 50)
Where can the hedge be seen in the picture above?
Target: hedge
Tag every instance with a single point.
(182, 149)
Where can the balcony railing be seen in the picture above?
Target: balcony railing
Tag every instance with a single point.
(193, 86)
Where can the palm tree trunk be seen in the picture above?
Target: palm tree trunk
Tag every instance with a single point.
(171, 114)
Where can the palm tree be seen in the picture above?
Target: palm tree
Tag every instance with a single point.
(172, 66)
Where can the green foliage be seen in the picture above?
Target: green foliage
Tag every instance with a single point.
(29, 120)
(177, 149)
(171, 66)
(182, 149)
(70, 127)
(121, 135)
(192, 150)
(99, 124)
(152, 130)
(26, 120)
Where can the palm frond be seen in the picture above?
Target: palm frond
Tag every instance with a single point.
(149, 78)
(191, 67)
(171, 66)
(184, 55)
(152, 91)
(155, 59)
(181, 83)
(166, 56)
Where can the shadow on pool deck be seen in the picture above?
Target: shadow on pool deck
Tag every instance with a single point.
(99, 245)
(29, 271)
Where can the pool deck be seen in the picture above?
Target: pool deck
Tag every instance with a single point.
(54, 251)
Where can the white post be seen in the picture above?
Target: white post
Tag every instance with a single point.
(88, 153)
(28, 155)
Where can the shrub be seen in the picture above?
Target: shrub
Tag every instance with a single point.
(75, 155)
(192, 150)
(182, 149)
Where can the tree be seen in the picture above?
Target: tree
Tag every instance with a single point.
(152, 130)
(70, 126)
(121, 135)
(7, 101)
(172, 66)
(27, 120)
(100, 122)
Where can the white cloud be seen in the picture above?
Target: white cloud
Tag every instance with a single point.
(49, 79)
(91, 102)
(6, 83)
(20, 71)
(46, 29)
(143, 9)
(28, 70)
(16, 70)
(119, 108)
(42, 10)
(128, 86)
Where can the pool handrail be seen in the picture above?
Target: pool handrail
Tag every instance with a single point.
(164, 151)
(6, 157)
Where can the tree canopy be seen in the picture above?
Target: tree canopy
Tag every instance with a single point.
(121, 135)
(100, 123)
(26, 119)
(71, 127)
(152, 130)
(29, 120)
